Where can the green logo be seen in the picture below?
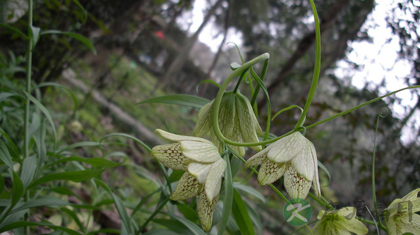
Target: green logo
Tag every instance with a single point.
(297, 212)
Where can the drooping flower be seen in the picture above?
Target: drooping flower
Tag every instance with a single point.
(401, 217)
(203, 167)
(293, 157)
(237, 122)
(339, 222)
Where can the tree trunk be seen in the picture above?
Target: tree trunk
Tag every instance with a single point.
(179, 61)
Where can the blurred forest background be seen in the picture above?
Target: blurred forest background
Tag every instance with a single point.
(146, 48)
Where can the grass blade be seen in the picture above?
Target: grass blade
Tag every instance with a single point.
(181, 99)
(228, 197)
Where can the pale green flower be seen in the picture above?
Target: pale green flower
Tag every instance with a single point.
(341, 222)
(293, 157)
(203, 167)
(401, 217)
(237, 122)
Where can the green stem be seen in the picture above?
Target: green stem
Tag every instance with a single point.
(310, 126)
(239, 81)
(28, 79)
(317, 67)
(28, 90)
(160, 207)
(257, 89)
(360, 105)
(373, 171)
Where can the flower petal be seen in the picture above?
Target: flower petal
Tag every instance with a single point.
(352, 225)
(258, 158)
(227, 113)
(411, 195)
(296, 186)
(256, 125)
(320, 227)
(170, 155)
(287, 148)
(246, 121)
(205, 209)
(214, 179)
(271, 171)
(199, 171)
(304, 164)
(315, 181)
(391, 226)
(188, 187)
(177, 138)
(204, 123)
(200, 151)
(411, 225)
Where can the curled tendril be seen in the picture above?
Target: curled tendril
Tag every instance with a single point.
(384, 112)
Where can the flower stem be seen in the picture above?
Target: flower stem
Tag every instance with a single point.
(359, 106)
(239, 81)
(27, 102)
(317, 67)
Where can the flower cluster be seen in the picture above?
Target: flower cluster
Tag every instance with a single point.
(203, 167)
(293, 157)
(401, 214)
(237, 122)
(341, 221)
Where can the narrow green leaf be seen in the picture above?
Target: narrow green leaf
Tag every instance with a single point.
(45, 111)
(34, 35)
(143, 201)
(15, 30)
(14, 150)
(1, 184)
(48, 201)
(76, 36)
(188, 212)
(82, 9)
(228, 197)
(73, 96)
(326, 171)
(79, 145)
(255, 217)
(120, 207)
(190, 225)
(208, 81)
(29, 167)
(129, 137)
(250, 190)
(66, 191)
(17, 189)
(5, 155)
(181, 99)
(21, 224)
(74, 216)
(74, 176)
(173, 226)
(176, 175)
(95, 162)
(241, 216)
(5, 95)
(162, 231)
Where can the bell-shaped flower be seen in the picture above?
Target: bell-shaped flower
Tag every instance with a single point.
(237, 122)
(203, 167)
(293, 157)
(339, 222)
(401, 217)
